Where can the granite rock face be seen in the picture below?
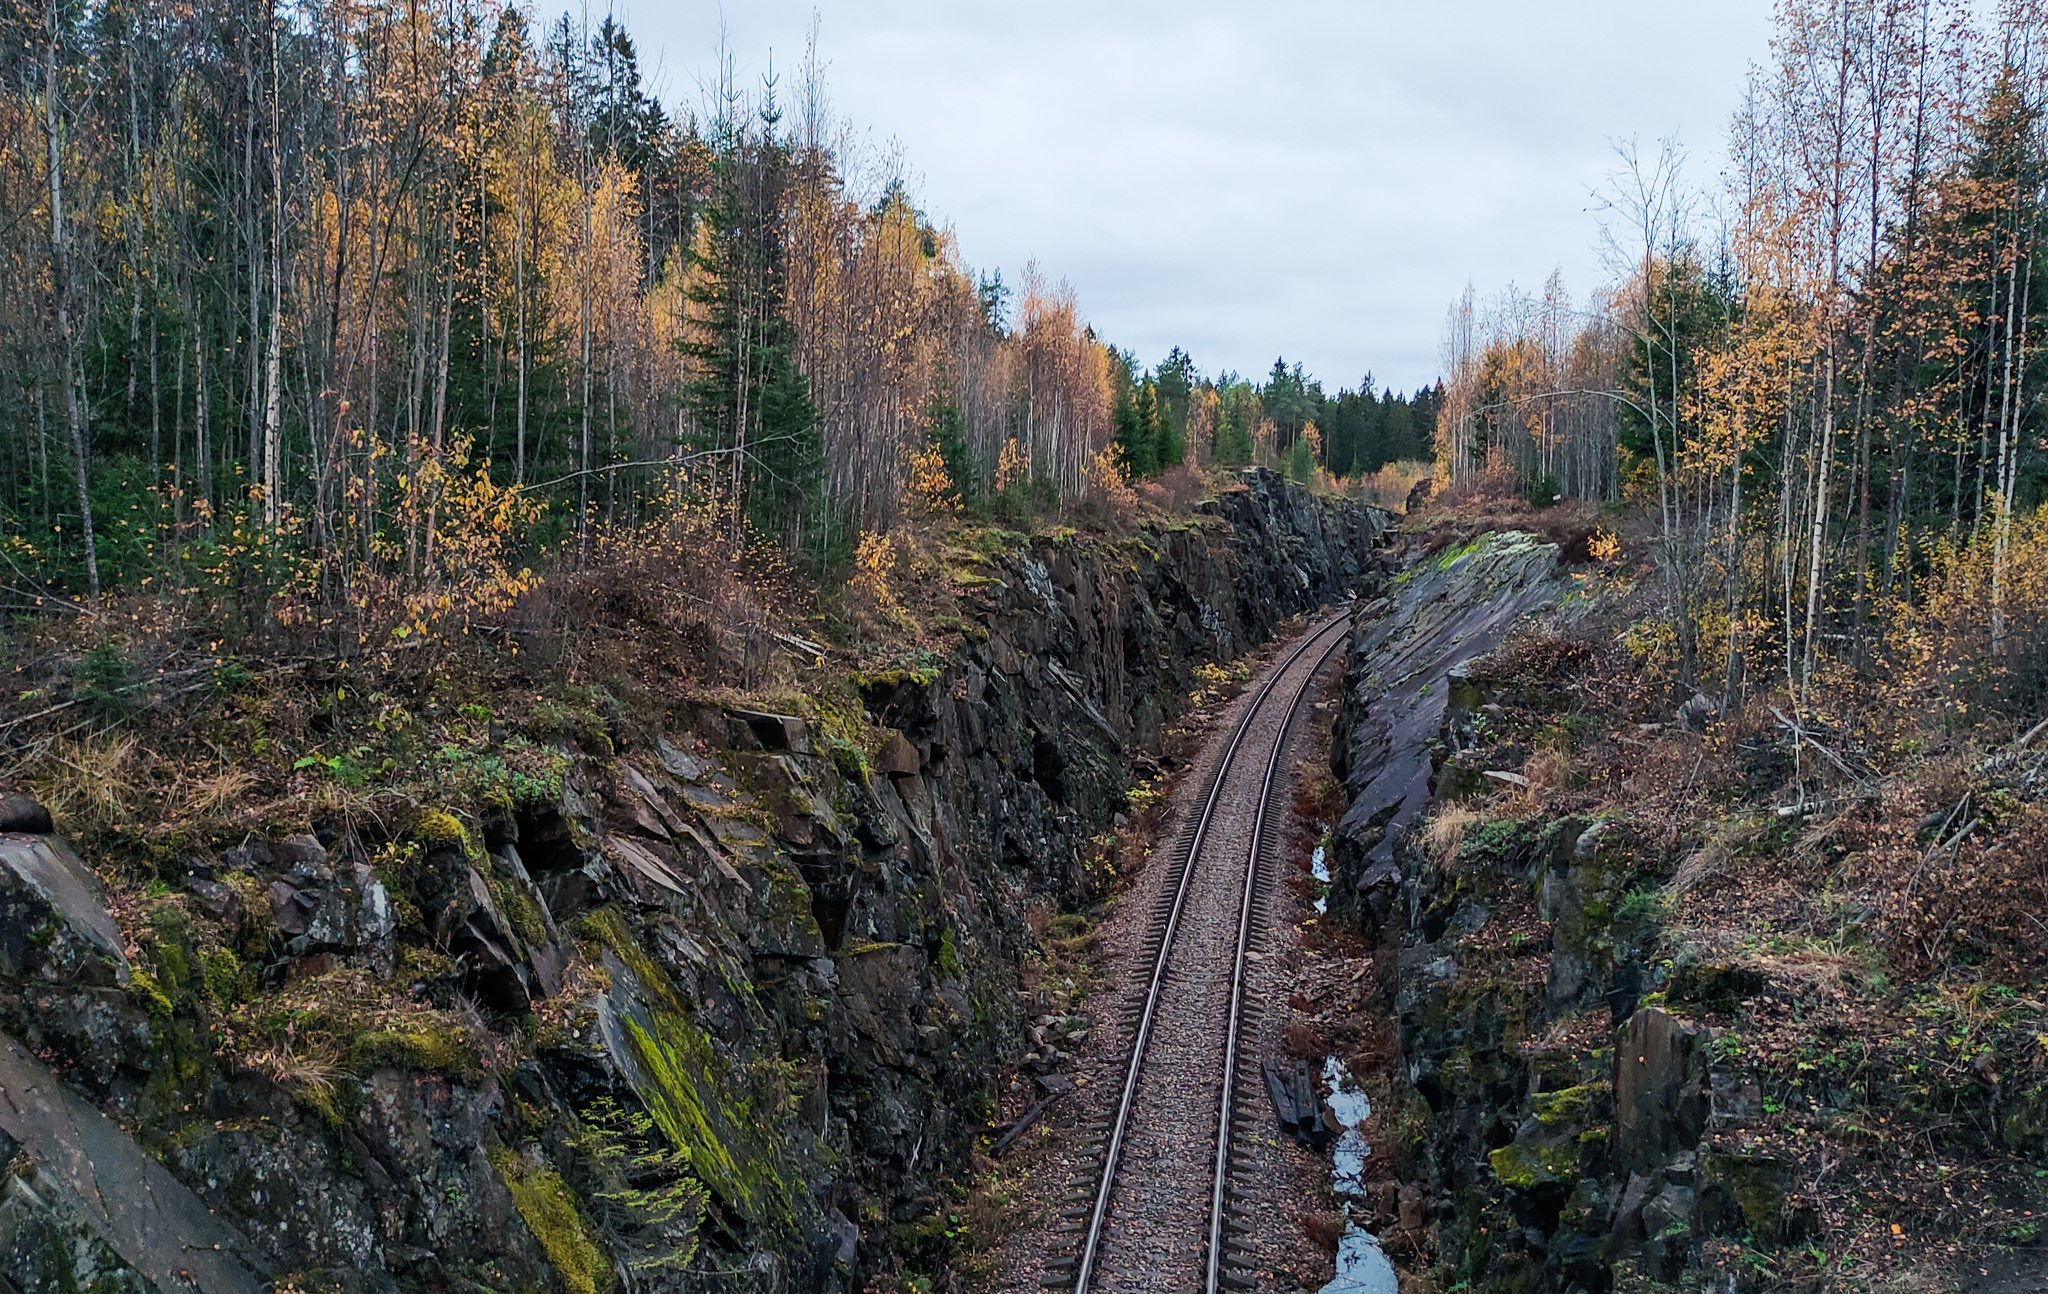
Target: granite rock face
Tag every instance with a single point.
(761, 939)
(82, 1205)
(1406, 653)
(1564, 1134)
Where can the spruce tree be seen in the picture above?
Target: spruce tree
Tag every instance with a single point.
(1176, 379)
(745, 392)
(1301, 461)
(1166, 442)
(946, 427)
(1135, 435)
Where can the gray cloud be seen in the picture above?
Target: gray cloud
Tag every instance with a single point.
(1317, 180)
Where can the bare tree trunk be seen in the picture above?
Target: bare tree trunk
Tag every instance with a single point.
(201, 452)
(273, 385)
(519, 308)
(2010, 416)
(60, 278)
(584, 322)
(253, 231)
(1824, 447)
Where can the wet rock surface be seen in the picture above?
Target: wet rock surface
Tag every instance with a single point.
(789, 956)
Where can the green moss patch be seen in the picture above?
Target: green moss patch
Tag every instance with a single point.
(519, 909)
(550, 1213)
(1526, 1166)
(429, 1047)
(1572, 1106)
(687, 1090)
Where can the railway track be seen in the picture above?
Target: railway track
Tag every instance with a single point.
(1154, 1210)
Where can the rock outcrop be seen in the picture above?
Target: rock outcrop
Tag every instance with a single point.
(710, 981)
(1564, 1125)
(1406, 651)
(82, 1206)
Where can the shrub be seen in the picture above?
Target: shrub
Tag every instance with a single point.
(1977, 639)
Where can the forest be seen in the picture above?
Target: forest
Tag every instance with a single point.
(378, 310)
(1820, 375)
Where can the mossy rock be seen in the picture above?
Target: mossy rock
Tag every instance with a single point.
(144, 992)
(1573, 1107)
(519, 909)
(1758, 1186)
(947, 959)
(226, 980)
(437, 829)
(1527, 1165)
(686, 1087)
(428, 1047)
(550, 1212)
(1714, 986)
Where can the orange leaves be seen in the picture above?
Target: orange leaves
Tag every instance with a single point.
(874, 560)
(930, 486)
(1013, 468)
(1065, 380)
(1106, 478)
(1977, 635)
(445, 559)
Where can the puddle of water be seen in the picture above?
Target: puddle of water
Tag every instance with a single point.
(1362, 1267)
(1319, 865)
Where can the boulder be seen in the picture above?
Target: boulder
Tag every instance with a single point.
(1662, 1093)
(768, 731)
(54, 923)
(22, 813)
(898, 757)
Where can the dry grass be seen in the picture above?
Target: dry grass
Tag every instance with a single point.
(1716, 857)
(93, 783)
(1304, 1042)
(214, 794)
(1318, 795)
(1394, 482)
(1325, 1228)
(1446, 831)
(310, 1070)
(1548, 771)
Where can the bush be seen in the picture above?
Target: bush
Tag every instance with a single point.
(1982, 656)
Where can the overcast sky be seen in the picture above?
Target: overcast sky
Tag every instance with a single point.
(1310, 179)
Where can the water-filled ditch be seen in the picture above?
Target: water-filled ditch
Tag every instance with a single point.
(1362, 1266)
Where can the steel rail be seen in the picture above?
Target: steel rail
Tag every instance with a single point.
(1098, 1217)
(1213, 1274)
